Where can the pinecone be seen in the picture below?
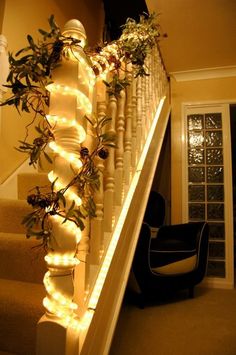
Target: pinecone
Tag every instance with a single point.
(103, 153)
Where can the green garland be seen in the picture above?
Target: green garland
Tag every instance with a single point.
(30, 72)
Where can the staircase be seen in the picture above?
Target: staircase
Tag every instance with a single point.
(139, 117)
(22, 268)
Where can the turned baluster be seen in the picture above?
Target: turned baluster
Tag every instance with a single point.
(158, 77)
(139, 116)
(144, 116)
(109, 171)
(148, 93)
(119, 152)
(155, 78)
(97, 223)
(128, 126)
(82, 270)
(153, 88)
(134, 124)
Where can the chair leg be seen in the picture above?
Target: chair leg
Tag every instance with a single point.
(191, 292)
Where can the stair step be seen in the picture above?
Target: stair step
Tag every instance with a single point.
(11, 215)
(27, 181)
(22, 268)
(20, 308)
(21, 259)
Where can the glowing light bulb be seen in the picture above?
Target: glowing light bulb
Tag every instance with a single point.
(68, 156)
(61, 260)
(66, 90)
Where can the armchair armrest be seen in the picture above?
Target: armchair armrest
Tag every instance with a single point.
(177, 248)
(186, 235)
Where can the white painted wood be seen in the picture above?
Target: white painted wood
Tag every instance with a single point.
(152, 85)
(82, 271)
(155, 77)
(119, 152)
(147, 94)
(109, 172)
(61, 258)
(97, 223)
(144, 116)
(128, 127)
(139, 116)
(195, 108)
(99, 307)
(134, 124)
(97, 338)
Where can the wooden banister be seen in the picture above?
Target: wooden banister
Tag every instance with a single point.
(139, 116)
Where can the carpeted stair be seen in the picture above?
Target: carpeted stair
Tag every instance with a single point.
(22, 268)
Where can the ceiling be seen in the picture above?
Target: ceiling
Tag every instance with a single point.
(201, 33)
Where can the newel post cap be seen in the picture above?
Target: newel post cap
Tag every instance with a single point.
(74, 28)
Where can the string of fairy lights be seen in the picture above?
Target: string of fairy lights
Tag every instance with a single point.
(56, 302)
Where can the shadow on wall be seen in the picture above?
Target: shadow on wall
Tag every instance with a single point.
(162, 179)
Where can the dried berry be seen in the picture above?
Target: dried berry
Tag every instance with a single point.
(103, 153)
(84, 152)
(43, 203)
(112, 59)
(38, 141)
(96, 70)
(98, 49)
(32, 199)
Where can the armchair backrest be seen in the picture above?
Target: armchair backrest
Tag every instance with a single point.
(155, 210)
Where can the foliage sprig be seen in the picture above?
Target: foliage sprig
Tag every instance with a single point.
(48, 201)
(30, 73)
(134, 45)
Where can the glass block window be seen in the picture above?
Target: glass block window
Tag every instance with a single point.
(206, 182)
(216, 268)
(196, 193)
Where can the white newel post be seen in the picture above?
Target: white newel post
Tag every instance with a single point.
(70, 100)
(4, 70)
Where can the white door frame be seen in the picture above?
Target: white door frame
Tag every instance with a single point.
(223, 107)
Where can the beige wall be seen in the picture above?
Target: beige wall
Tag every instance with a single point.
(22, 17)
(2, 5)
(191, 91)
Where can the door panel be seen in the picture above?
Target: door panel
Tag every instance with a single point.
(207, 183)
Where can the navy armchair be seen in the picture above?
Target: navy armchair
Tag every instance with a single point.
(172, 258)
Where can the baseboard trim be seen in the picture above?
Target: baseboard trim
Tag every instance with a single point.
(207, 73)
(217, 283)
